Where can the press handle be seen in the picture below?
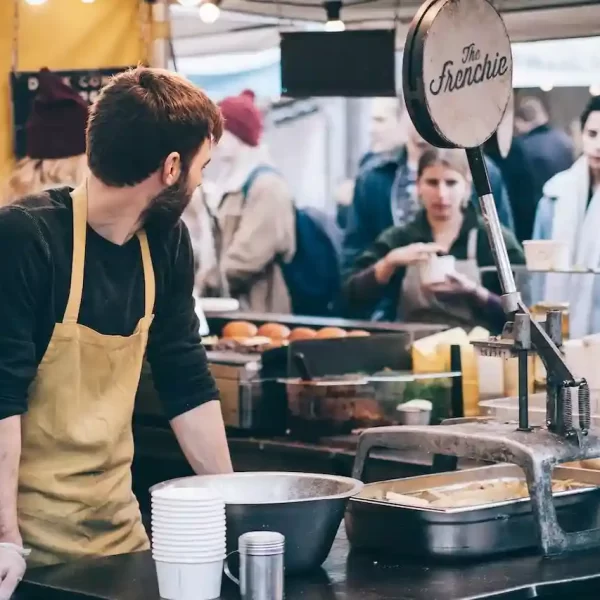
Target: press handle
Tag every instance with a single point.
(392, 437)
(492, 223)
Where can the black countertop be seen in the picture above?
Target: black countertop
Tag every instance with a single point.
(344, 576)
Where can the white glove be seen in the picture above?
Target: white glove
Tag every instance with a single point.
(12, 568)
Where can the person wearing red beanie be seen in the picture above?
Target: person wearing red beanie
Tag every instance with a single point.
(243, 118)
(55, 140)
(255, 214)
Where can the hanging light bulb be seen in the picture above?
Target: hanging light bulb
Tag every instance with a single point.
(209, 11)
(332, 10)
(546, 87)
(88, 1)
(189, 3)
(595, 90)
(36, 2)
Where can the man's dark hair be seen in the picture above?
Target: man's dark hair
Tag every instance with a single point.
(531, 109)
(592, 106)
(142, 116)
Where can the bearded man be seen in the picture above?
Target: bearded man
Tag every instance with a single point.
(94, 279)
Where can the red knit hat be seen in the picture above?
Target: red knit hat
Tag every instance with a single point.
(58, 119)
(242, 117)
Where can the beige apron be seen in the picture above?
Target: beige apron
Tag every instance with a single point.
(417, 304)
(75, 496)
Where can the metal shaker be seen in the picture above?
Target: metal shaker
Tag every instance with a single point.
(261, 565)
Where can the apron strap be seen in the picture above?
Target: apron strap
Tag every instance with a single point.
(79, 196)
(149, 280)
(80, 207)
(472, 245)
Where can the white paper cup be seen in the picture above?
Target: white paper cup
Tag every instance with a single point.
(189, 557)
(198, 522)
(193, 494)
(191, 508)
(188, 581)
(187, 502)
(204, 538)
(186, 529)
(188, 554)
(209, 532)
(187, 509)
(200, 543)
(193, 552)
(174, 513)
(200, 547)
(436, 269)
(188, 516)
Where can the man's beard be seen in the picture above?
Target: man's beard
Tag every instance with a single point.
(166, 208)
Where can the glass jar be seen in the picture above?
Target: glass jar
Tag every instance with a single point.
(541, 309)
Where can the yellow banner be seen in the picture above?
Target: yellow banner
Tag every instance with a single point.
(65, 34)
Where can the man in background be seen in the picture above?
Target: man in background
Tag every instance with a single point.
(548, 150)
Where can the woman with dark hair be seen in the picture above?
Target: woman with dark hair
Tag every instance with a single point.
(447, 224)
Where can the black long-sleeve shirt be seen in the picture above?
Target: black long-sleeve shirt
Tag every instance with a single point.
(36, 251)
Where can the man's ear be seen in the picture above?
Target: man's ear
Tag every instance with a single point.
(171, 169)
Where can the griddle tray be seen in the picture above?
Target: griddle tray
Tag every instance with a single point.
(466, 532)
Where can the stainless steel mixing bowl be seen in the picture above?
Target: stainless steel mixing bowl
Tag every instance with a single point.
(306, 508)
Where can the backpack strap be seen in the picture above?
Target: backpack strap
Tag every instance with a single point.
(253, 175)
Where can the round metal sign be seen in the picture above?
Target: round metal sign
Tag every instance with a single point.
(457, 72)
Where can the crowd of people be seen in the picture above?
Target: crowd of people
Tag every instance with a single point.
(408, 201)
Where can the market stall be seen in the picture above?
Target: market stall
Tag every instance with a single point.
(314, 384)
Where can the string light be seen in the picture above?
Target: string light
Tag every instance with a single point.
(332, 10)
(209, 12)
(595, 90)
(35, 2)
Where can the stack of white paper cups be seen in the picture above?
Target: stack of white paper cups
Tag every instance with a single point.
(188, 542)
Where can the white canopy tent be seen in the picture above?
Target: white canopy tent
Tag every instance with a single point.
(241, 50)
(254, 25)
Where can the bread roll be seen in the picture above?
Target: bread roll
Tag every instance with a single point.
(330, 333)
(275, 331)
(302, 333)
(239, 330)
(358, 333)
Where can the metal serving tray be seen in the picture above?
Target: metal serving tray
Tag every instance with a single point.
(464, 532)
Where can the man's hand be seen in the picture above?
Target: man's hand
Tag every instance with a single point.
(12, 570)
(10, 455)
(201, 436)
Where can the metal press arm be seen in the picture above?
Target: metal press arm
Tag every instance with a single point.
(556, 367)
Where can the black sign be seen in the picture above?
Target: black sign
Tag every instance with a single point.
(24, 86)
